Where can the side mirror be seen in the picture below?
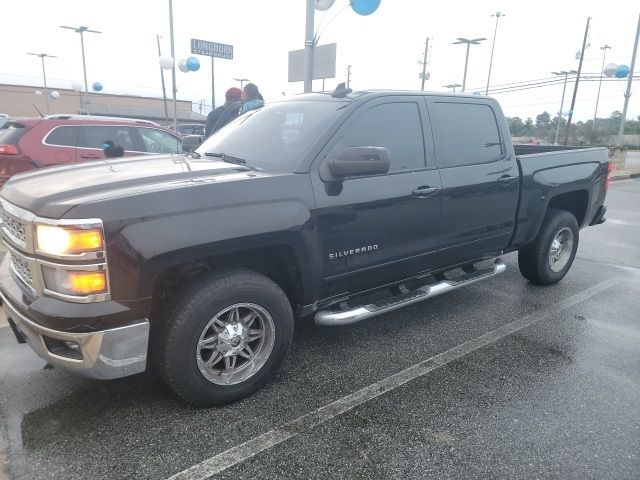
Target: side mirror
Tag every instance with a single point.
(191, 142)
(359, 161)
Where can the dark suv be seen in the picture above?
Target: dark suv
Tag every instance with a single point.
(30, 143)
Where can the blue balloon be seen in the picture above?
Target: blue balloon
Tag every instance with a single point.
(622, 71)
(193, 64)
(97, 86)
(365, 7)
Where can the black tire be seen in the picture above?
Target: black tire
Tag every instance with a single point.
(533, 259)
(175, 345)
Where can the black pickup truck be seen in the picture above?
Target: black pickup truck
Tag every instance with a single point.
(335, 207)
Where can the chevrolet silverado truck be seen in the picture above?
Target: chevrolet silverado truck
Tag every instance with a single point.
(332, 206)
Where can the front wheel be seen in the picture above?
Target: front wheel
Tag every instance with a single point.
(549, 257)
(225, 338)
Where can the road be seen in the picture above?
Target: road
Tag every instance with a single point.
(499, 380)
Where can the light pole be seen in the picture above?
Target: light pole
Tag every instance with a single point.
(604, 49)
(242, 80)
(309, 43)
(81, 31)
(564, 89)
(424, 63)
(575, 87)
(627, 95)
(44, 74)
(173, 69)
(453, 86)
(468, 42)
(493, 46)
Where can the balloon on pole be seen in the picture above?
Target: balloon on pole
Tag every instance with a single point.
(77, 86)
(97, 86)
(610, 69)
(166, 62)
(365, 7)
(182, 65)
(622, 71)
(54, 94)
(323, 5)
(193, 64)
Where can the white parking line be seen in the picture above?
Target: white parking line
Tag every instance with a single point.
(250, 448)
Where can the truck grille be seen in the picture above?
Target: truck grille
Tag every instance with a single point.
(22, 269)
(12, 227)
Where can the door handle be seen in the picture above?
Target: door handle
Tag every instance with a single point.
(424, 192)
(90, 155)
(506, 179)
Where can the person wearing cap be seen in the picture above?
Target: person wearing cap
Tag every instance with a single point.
(222, 115)
(111, 150)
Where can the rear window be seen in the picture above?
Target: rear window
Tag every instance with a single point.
(66, 136)
(11, 132)
(467, 133)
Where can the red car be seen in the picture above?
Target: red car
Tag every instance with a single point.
(30, 143)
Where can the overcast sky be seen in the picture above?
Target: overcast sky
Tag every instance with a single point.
(534, 38)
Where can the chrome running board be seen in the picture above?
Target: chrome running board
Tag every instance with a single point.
(334, 316)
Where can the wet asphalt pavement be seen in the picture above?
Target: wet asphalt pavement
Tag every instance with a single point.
(555, 396)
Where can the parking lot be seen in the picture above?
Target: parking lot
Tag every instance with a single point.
(499, 380)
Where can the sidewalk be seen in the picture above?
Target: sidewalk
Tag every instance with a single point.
(631, 169)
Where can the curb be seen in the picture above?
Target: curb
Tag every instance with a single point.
(624, 175)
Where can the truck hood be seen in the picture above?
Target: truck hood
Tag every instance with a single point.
(51, 192)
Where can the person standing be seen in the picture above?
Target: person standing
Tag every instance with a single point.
(222, 115)
(252, 98)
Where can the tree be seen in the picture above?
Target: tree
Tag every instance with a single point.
(616, 115)
(528, 124)
(516, 126)
(543, 120)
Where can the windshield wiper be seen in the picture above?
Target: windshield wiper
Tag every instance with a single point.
(227, 158)
(193, 154)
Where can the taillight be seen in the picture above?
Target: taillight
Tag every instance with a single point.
(8, 150)
(608, 180)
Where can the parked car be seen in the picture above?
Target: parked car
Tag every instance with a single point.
(203, 261)
(31, 143)
(189, 128)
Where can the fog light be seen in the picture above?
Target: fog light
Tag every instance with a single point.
(85, 283)
(71, 345)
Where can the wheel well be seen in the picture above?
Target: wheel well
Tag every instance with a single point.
(574, 202)
(278, 263)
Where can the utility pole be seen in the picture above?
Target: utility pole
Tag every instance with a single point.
(213, 88)
(564, 89)
(495, 32)
(628, 94)
(453, 86)
(604, 49)
(348, 75)
(309, 43)
(164, 91)
(424, 63)
(575, 88)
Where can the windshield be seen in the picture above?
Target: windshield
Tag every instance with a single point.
(275, 137)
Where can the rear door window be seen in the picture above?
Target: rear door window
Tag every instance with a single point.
(65, 136)
(11, 132)
(466, 134)
(93, 136)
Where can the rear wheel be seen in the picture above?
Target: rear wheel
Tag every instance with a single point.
(224, 338)
(549, 257)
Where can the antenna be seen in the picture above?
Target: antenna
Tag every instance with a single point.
(39, 112)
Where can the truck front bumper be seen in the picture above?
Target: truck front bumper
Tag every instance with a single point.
(105, 354)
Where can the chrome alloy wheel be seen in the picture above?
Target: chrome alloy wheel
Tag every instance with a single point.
(235, 344)
(561, 249)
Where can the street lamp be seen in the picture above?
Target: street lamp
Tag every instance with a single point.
(453, 86)
(566, 75)
(242, 80)
(44, 74)
(468, 42)
(493, 46)
(604, 49)
(81, 31)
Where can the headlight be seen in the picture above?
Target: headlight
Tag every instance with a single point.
(75, 282)
(59, 240)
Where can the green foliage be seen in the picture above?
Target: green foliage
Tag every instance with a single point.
(582, 133)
